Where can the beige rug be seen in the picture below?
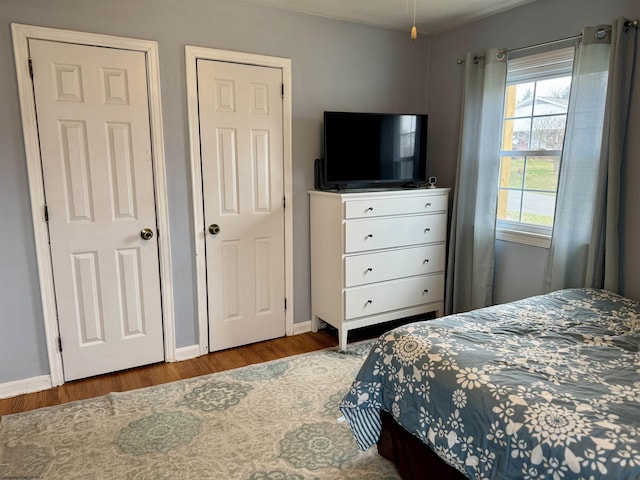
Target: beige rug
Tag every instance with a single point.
(272, 421)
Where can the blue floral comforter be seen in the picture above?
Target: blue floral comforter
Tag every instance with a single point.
(542, 388)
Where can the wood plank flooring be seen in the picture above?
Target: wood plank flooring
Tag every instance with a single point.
(167, 372)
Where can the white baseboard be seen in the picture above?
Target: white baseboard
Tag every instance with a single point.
(43, 382)
(193, 351)
(27, 385)
(302, 327)
(187, 353)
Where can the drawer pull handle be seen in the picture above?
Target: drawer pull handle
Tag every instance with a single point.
(427, 230)
(370, 209)
(426, 260)
(369, 236)
(369, 302)
(428, 204)
(369, 269)
(426, 290)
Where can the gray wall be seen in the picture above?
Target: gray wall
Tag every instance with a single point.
(520, 268)
(335, 65)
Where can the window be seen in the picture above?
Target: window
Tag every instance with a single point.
(406, 159)
(535, 115)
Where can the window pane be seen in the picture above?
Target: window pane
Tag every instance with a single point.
(407, 145)
(520, 133)
(408, 124)
(509, 204)
(548, 132)
(542, 173)
(552, 96)
(519, 100)
(512, 172)
(538, 208)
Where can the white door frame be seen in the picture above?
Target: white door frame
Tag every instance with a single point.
(192, 54)
(21, 36)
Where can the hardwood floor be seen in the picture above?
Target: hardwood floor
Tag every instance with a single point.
(167, 372)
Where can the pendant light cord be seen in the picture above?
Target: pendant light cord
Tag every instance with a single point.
(414, 30)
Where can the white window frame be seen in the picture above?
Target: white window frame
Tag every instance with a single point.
(532, 68)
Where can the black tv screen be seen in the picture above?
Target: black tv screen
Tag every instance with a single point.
(374, 149)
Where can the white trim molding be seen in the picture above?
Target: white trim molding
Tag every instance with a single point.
(187, 353)
(192, 54)
(21, 35)
(27, 385)
(304, 327)
(525, 238)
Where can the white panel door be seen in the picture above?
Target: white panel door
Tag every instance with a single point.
(93, 124)
(241, 137)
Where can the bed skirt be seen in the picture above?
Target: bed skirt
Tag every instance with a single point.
(414, 459)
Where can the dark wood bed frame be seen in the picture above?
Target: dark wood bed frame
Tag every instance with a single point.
(414, 459)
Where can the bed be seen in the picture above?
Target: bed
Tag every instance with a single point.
(542, 388)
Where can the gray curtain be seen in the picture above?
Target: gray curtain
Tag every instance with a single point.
(584, 248)
(470, 263)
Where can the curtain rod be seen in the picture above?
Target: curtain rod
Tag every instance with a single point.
(628, 24)
(476, 58)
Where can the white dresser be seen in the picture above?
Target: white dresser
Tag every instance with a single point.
(376, 256)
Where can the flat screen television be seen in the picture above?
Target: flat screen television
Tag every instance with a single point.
(363, 150)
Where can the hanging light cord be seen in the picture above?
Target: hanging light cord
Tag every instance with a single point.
(414, 30)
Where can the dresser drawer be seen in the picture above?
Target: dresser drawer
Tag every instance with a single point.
(379, 207)
(389, 232)
(389, 265)
(394, 295)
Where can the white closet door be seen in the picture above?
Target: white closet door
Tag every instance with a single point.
(93, 124)
(241, 135)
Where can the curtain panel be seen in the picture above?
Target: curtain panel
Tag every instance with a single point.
(585, 243)
(470, 265)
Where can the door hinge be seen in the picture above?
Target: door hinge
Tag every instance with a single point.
(284, 203)
(283, 90)
(285, 303)
(46, 213)
(31, 68)
(60, 344)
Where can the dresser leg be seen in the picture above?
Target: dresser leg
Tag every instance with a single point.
(342, 338)
(314, 323)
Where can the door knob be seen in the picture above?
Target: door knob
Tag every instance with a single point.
(214, 229)
(146, 234)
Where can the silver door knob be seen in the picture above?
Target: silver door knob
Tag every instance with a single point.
(214, 229)
(146, 234)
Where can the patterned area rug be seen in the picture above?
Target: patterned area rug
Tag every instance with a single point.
(272, 421)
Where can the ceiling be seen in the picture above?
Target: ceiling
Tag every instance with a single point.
(432, 16)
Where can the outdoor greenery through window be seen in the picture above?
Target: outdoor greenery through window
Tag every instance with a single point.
(535, 115)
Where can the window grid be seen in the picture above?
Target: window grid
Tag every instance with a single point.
(517, 201)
